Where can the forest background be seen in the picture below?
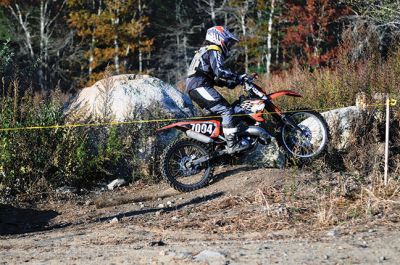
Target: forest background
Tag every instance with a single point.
(50, 49)
(69, 43)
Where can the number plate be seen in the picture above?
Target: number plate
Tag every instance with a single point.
(203, 128)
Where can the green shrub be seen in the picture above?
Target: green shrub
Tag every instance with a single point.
(35, 159)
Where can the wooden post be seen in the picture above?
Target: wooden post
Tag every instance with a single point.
(387, 140)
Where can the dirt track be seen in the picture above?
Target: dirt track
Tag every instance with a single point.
(155, 225)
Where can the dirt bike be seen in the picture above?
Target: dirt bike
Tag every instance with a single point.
(187, 163)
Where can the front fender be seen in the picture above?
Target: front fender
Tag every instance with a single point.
(281, 93)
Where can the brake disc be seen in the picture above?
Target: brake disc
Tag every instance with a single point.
(187, 167)
(303, 139)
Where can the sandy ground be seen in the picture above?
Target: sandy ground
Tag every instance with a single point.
(157, 225)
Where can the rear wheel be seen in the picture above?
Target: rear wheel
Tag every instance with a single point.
(179, 167)
(308, 143)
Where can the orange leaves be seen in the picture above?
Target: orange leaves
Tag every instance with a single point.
(112, 30)
(313, 33)
(5, 2)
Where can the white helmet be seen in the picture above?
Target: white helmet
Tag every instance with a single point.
(222, 37)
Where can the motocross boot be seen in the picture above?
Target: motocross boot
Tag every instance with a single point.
(233, 144)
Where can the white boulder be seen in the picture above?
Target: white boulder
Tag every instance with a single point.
(341, 123)
(120, 97)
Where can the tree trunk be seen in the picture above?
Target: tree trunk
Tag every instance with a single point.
(91, 55)
(269, 38)
(212, 12)
(115, 22)
(43, 44)
(185, 56)
(24, 25)
(93, 40)
(140, 59)
(260, 59)
(178, 46)
(116, 56)
(246, 47)
(140, 39)
(226, 19)
(277, 52)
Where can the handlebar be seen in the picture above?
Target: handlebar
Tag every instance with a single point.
(250, 87)
(248, 79)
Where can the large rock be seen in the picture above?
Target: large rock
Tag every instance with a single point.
(118, 98)
(128, 98)
(341, 123)
(270, 156)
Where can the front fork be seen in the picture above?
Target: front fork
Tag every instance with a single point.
(287, 120)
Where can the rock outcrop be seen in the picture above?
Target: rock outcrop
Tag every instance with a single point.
(341, 122)
(118, 98)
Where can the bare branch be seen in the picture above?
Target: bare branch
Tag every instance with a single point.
(24, 25)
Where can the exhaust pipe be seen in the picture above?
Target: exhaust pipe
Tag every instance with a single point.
(264, 136)
(199, 137)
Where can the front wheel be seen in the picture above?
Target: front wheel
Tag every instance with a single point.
(310, 141)
(179, 167)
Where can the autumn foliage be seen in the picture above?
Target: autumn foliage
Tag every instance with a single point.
(113, 33)
(311, 34)
(69, 43)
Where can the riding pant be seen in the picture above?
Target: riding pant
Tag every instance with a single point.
(208, 98)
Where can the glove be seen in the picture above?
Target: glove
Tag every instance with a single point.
(242, 78)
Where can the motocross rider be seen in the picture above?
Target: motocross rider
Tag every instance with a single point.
(207, 70)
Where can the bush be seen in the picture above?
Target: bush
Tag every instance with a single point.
(6, 57)
(34, 161)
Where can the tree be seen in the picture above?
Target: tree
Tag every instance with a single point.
(269, 37)
(38, 29)
(178, 32)
(373, 23)
(240, 11)
(313, 31)
(265, 31)
(214, 8)
(113, 33)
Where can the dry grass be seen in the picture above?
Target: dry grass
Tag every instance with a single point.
(333, 87)
(317, 205)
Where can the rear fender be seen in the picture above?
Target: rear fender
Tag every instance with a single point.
(182, 126)
(281, 93)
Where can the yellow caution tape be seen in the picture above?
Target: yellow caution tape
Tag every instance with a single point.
(393, 102)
